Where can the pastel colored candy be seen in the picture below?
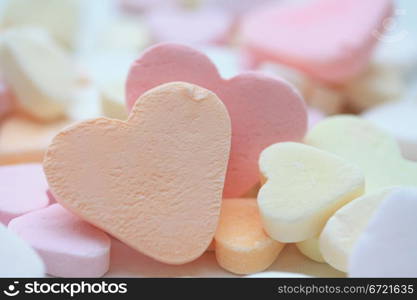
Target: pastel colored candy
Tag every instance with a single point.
(190, 27)
(378, 84)
(155, 181)
(327, 39)
(23, 140)
(23, 189)
(242, 247)
(343, 229)
(356, 140)
(40, 74)
(74, 24)
(264, 110)
(6, 100)
(304, 187)
(17, 258)
(388, 245)
(398, 119)
(275, 274)
(311, 249)
(362, 143)
(68, 246)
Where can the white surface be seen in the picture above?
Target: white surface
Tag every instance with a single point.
(126, 262)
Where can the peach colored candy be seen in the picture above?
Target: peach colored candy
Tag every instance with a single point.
(23, 140)
(242, 246)
(331, 40)
(22, 189)
(264, 110)
(155, 181)
(68, 246)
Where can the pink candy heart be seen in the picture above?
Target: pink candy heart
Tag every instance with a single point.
(331, 40)
(264, 110)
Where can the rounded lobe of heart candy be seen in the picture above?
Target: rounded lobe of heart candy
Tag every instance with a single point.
(23, 189)
(68, 246)
(242, 246)
(388, 245)
(304, 187)
(264, 110)
(323, 38)
(343, 229)
(17, 258)
(169, 62)
(370, 148)
(155, 181)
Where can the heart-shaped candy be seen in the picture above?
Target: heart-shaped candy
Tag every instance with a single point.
(330, 40)
(304, 187)
(155, 181)
(365, 145)
(68, 246)
(388, 245)
(264, 110)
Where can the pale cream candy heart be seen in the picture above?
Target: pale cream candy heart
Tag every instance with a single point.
(18, 259)
(40, 74)
(343, 229)
(370, 148)
(304, 187)
(154, 182)
(365, 145)
(310, 248)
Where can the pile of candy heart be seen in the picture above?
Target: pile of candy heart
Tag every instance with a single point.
(191, 162)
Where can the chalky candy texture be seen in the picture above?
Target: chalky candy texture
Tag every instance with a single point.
(242, 246)
(264, 110)
(304, 187)
(155, 181)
